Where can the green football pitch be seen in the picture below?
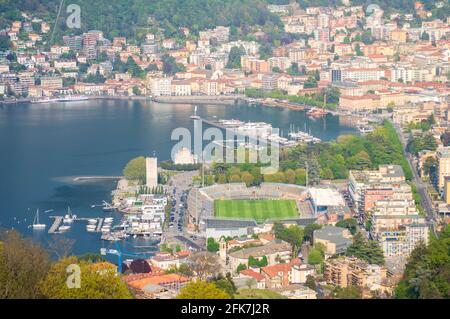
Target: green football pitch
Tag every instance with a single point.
(260, 210)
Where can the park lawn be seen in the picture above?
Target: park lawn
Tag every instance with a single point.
(260, 210)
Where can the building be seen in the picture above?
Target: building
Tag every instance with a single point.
(401, 241)
(350, 271)
(161, 86)
(335, 239)
(300, 272)
(52, 82)
(443, 163)
(184, 156)
(447, 190)
(217, 228)
(387, 176)
(278, 275)
(151, 169)
(274, 251)
(249, 276)
(166, 260)
(269, 81)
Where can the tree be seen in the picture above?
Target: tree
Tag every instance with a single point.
(204, 264)
(202, 290)
(294, 236)
(136, 90)
(253, 262)
(98, 281)
(5, 43)
(247, 178)
(170, 66)
(241, 267)
(226, 285)
(140, 266)
(315, 257)
(250, 282)
(234, 58)
(367, 250)
(23, 264)
(311, 282)
(60, 246)
(135, 169)
(427, 273)
(425, 36)
(350, 223)
(309, 231)
(212, 245)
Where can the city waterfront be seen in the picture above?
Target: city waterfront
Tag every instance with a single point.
(45, 146)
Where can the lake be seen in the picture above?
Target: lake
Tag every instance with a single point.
(45, 146)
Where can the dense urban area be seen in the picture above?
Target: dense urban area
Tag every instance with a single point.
(361, 216)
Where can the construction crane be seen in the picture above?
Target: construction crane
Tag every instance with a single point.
(119, 253)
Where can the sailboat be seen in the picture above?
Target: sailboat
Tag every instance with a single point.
(36, 224)
(69, 217)
(195, 116)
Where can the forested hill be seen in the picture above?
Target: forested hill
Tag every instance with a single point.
(126, 17)
(130, 17)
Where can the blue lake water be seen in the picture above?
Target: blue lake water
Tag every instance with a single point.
(44, 146)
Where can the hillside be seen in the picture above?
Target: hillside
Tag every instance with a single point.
(131, 18)
(128, 18)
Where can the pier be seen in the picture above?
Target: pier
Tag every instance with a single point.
(99, 225)
(56, 224)
(88, 178)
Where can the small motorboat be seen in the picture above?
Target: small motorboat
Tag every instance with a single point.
(63, 228)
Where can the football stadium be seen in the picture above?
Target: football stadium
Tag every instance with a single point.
(239, 210)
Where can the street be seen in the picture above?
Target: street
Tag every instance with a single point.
(417, 180)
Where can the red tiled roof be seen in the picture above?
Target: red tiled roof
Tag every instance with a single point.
(252, 273)
(272, 271)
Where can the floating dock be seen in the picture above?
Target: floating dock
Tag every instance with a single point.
(56, 224)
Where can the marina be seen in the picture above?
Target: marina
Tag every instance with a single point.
(257, 130)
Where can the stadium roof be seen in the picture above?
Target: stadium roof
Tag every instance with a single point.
(326, 197)
(219, 223)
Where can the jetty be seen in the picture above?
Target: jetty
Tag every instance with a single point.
(87, 178)
(57, 222)
(99, 225)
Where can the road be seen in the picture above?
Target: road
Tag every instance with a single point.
(417, 180)
(179, 186)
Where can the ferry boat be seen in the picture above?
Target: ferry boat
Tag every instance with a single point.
(70, 98)
(36, 223)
